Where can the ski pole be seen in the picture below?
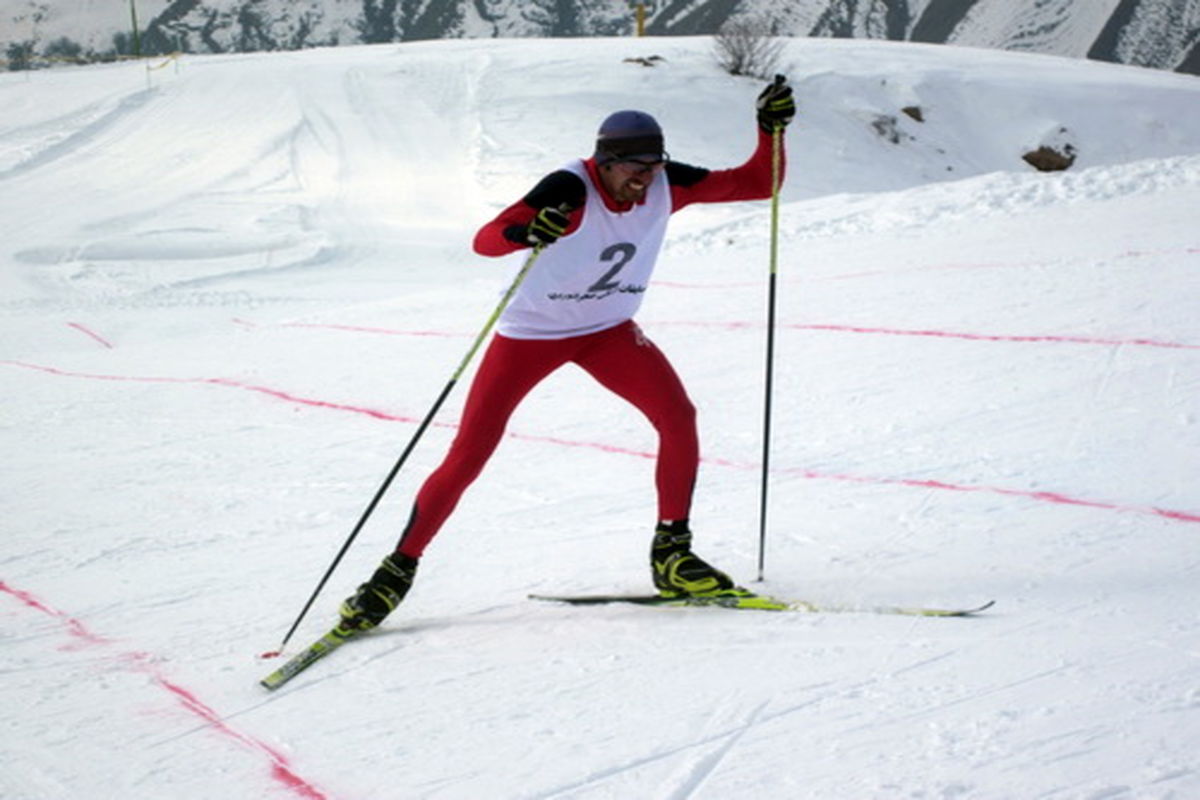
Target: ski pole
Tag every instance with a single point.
(776, 150)
(412, 443)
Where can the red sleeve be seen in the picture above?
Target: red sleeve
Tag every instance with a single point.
(750, 181)
(506, 233)
(490, 239)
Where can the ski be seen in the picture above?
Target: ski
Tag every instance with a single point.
(746, 601)
(758, 602)
(307, 657)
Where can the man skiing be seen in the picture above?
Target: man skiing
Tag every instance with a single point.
(600, 222)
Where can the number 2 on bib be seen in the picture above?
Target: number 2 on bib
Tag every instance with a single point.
(621, 253)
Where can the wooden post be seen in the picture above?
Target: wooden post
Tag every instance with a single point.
(639, 16)
(137, 36)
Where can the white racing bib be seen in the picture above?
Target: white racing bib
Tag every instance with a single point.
(594, 278)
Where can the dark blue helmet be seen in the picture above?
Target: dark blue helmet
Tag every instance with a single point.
(629, 134)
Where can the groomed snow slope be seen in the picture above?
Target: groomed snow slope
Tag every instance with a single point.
(230, 286)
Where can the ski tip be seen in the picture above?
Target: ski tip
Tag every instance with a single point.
(967, 612)
(270, 654)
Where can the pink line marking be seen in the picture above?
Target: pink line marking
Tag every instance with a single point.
(120, 378)
(84, 329)
(249, 387)
(281, 768)
(74, 626)
(742, 325)
(1040, 496)
(1048, 497)
(808, 474)
(978, 337)
(992, 337)
(279, 394)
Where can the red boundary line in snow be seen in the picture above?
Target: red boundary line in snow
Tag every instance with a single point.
(79, 326)
(978, 337)
(1042, 496)
(940, 334)
(281, 768)
(916, 483)
(250, 387)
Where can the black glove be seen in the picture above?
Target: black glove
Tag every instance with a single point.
(547, 226)
(775, 105)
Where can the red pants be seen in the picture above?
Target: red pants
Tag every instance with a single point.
(622, 359)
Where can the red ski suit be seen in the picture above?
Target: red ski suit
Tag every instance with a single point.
(620, 358)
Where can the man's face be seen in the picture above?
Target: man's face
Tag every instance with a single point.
(626, 181)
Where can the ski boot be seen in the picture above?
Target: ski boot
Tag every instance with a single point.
(378, 597)
(678, 572)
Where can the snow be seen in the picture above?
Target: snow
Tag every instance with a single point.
(232, 285)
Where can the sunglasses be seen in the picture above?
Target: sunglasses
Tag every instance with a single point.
(642, 164)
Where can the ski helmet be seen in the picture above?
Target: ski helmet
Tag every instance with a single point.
(628, 134)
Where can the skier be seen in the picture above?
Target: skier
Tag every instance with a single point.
(601, 222)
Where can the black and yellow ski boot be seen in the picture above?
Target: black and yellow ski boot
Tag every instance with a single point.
(678, 572)
(378, 597)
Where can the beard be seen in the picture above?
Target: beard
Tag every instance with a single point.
(633, 189)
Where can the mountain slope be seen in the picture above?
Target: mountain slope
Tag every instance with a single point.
(1163, 34)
